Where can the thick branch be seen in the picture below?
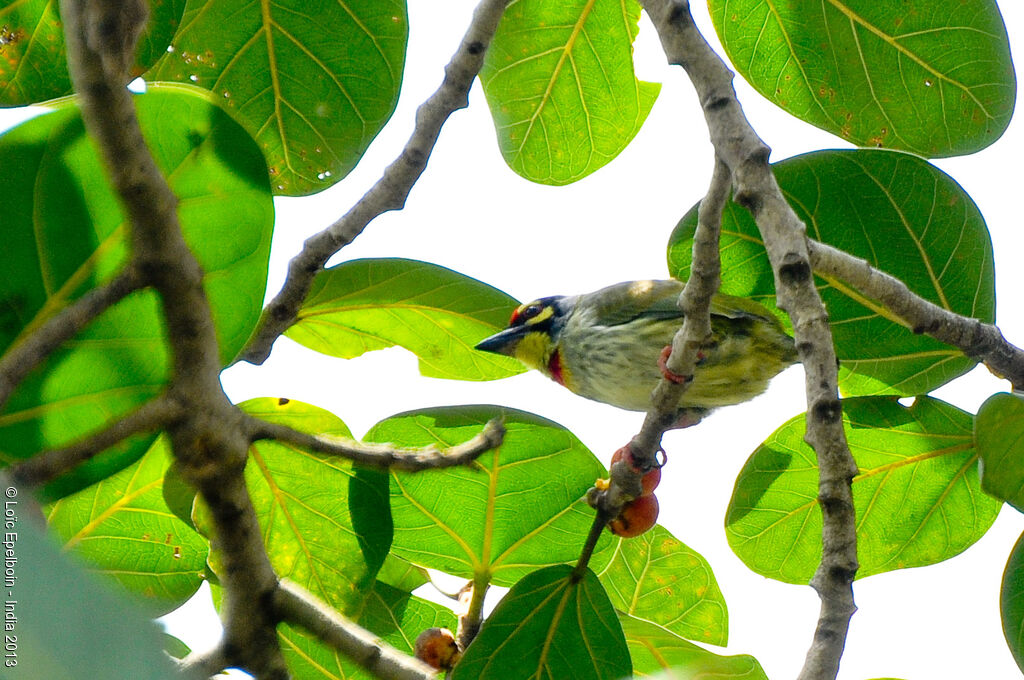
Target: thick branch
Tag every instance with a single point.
(977, 340)
(296, 606)
(49, 465)
(208, 442)
(40, 342)
(784, 235)
(391, 190)
(383, 455)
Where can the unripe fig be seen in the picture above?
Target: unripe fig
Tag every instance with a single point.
(437, 648)
(636, 517)
(649, 482)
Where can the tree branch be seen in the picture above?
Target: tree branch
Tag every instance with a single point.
(784, 235)
(208, 442)
(49, 465)
(204, 665)
(295, 605)
(37, 344)
(390, 191)
(695, 301)
(382, 455)
(977, 340)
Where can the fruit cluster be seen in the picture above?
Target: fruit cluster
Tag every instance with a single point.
(641, 513)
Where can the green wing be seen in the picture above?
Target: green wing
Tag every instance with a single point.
(631, 300)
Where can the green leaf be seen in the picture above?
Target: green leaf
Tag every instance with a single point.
(396, 616)
(100, 636)
(549, 626)
(122, 527)
(906, 218)
(917, 496)
(1011, 602)
(516, 508)
(559, 81)
(175, 647)
(999, 436)
(935, 83)
(436, 313)
(34, 62)
(401, 574)
(64, 233)
(325, 522)
(657, 578)
(654, 649)
(314, 84)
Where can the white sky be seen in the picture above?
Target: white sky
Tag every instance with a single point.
(469, 212)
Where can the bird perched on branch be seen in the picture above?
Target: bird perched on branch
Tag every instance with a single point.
(606, 346)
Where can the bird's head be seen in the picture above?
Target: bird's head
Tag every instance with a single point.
(532, 333)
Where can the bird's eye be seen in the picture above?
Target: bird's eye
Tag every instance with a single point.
(524, 314)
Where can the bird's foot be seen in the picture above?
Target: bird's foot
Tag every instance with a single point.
(688, 417)
(669, 375)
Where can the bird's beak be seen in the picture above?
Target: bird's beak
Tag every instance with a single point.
(504, 342)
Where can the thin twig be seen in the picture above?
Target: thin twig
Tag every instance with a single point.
(40, 342)
(390, 191)
(784, 236)
(383, 455)
(695, 301)
(981, 341)
(472, 618)
(49, 465)
(296, 606)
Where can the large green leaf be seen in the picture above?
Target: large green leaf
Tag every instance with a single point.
(325, 523)
(123, 528)
(905, 217)
(655, 649)
(68, 625)
(516, 508)
(396, 616)
(34, 63)
(657, 578)
(64, 233)
(434, 312)
(549, 626)
(559, 80)
(313, 83)
(882, 73)
(1011, 602)
(917, 495)
(999, 436)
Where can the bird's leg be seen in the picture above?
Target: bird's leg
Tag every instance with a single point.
(669, 375)
(688, 417)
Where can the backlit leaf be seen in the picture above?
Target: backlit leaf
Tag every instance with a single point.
(325, 523)
(548, 626)
(999, 436)
(559, 80)
(70, 626)
(657, 578)
(882, 73)
(396, 616)
(312, 83)
(917, 496)
(34, 62)
(906, 218)
(64, 233)
(434, 312)
(1011, 602)
(516, 508)
(122, 527)
(655, 649)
